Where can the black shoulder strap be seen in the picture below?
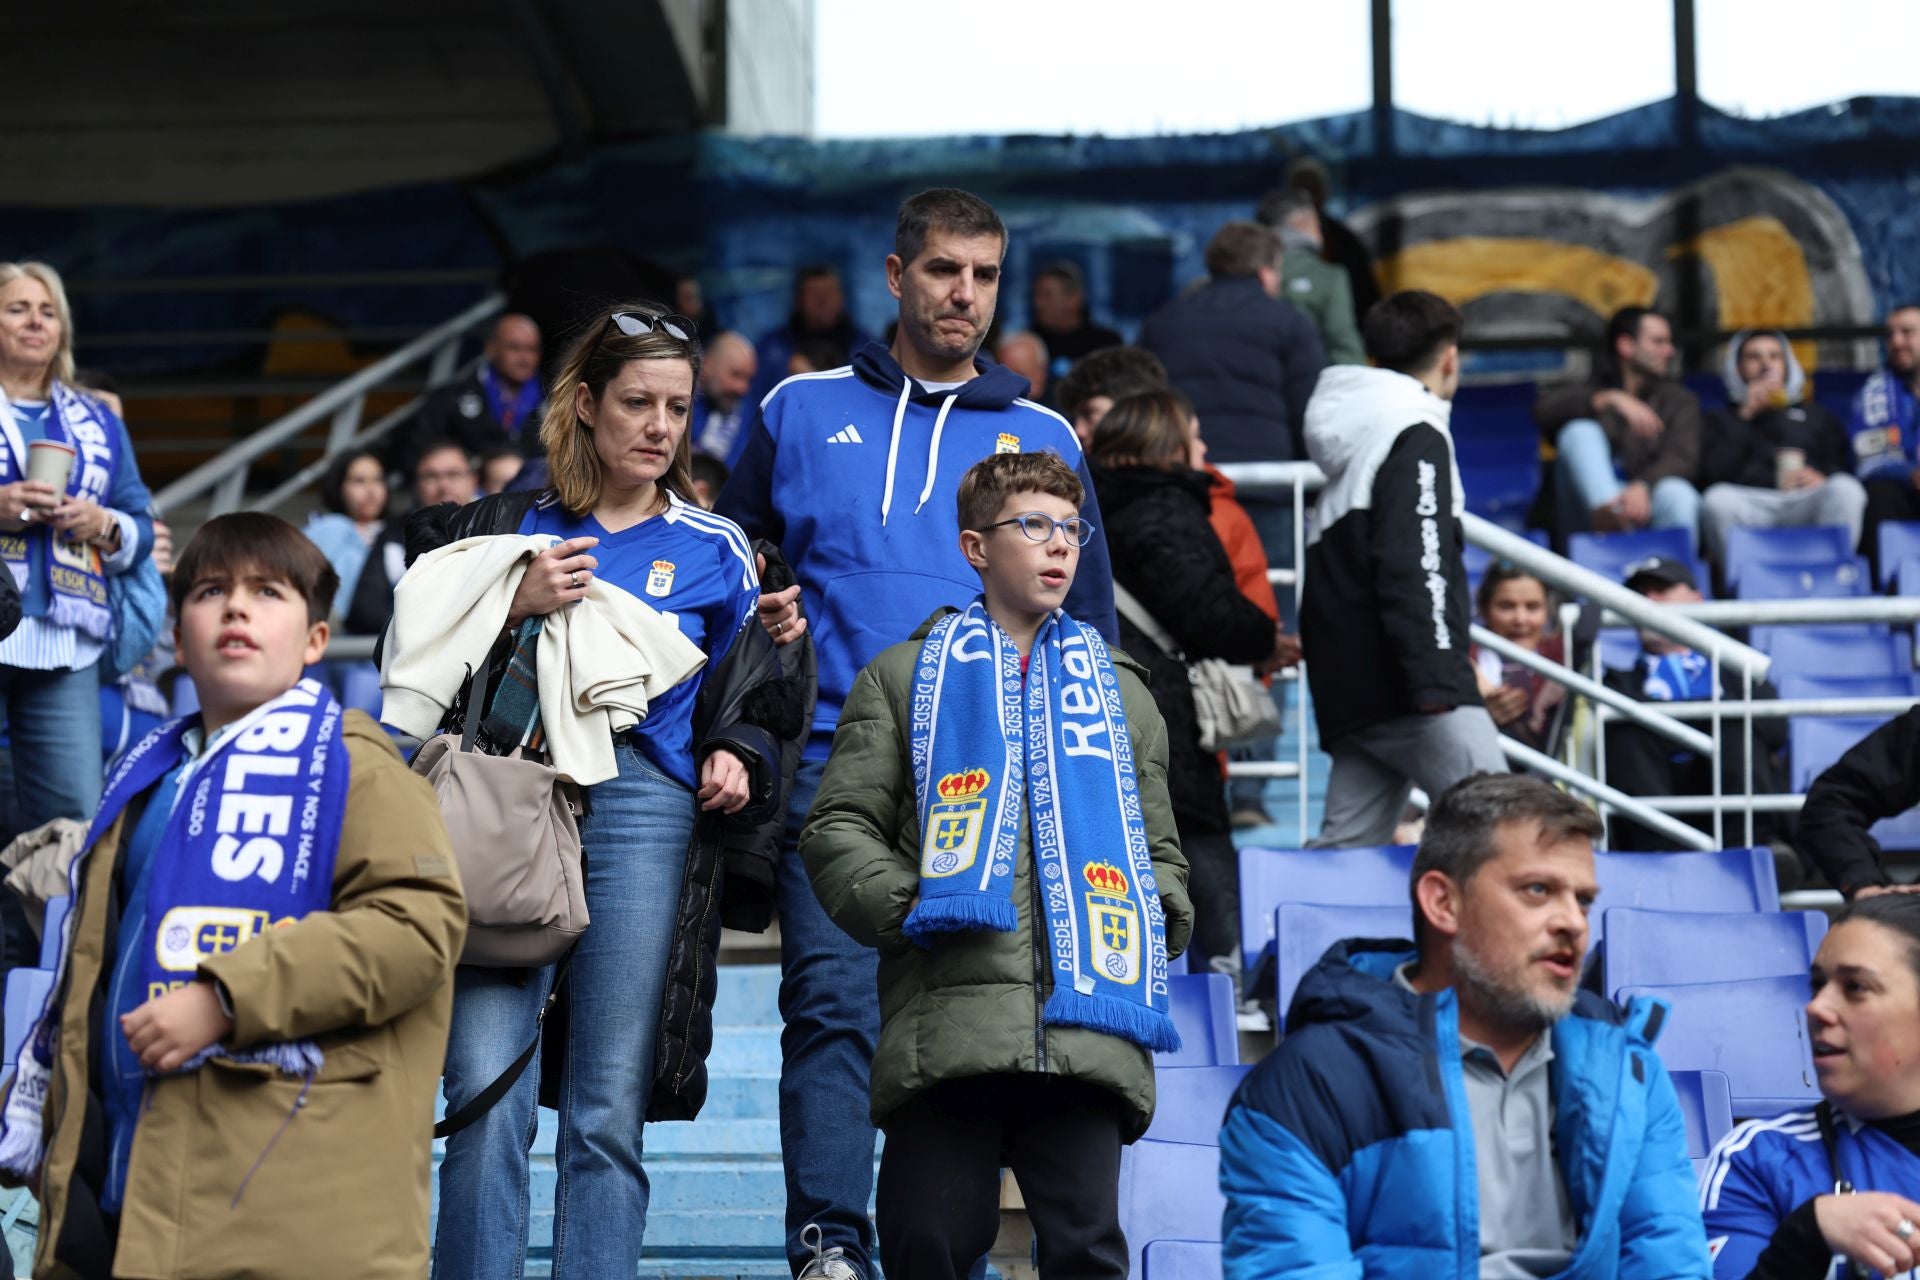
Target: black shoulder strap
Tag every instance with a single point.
(1830, 1139)
(483, 1102)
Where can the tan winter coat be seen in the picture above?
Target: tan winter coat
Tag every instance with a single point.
(343, 1190)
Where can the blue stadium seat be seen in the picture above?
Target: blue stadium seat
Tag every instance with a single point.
(1361, 877)
(1815, 742)
(1849, 685)
(1303, 931)
(1202, 1006)
(1619, 648)
(26, 996)
(1899, 541)
(1181, 1260)
(1648, 948)
(1755, 1031)
(1720, 880)
(1609, 554)
(1500, 489)
(1190, 1103)
(56, 919)
(1169, 1191)
(1840, 579)
(1706, 1106)
(1805, 544)
(1822, 651)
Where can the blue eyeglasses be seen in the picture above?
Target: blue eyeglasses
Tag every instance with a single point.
(1038, 526)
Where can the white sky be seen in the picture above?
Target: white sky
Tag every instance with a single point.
(898, 68)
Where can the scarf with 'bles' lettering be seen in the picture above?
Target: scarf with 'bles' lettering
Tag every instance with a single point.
(250, 845)
(73, 571)
(985, 750)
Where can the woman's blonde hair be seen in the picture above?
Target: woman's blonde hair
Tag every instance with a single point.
(1148, 429)
(46, 275)
(594, 360)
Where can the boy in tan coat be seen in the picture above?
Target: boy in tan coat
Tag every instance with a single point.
(231, 1079)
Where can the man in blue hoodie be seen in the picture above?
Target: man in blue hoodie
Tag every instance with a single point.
(1457, 1108)
(853, 472)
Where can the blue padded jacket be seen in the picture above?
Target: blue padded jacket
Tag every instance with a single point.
(1348, 1152)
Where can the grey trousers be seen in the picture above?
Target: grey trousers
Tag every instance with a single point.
(1841, 500)
(1375, 769)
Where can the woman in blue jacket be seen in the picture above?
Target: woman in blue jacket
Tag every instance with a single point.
(1805, 1195)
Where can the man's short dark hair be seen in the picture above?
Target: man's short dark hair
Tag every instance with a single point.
(1277, 206)
(710, 469)
(1241, 249)
(230, 547)
(1408, 331)
(814, 271)
(1066, 271)
(1625, 323)
(948, 209)
(1459, 835)
(439, 444)
(1113, 372)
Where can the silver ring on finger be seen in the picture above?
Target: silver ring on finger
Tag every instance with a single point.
(576, 579)
(778, 627)
(1904, 1228)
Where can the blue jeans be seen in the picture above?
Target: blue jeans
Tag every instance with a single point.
(53, 726)
(1584, 478)
(830, 1002)
(636, 841)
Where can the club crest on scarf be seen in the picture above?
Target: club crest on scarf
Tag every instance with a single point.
(953, 823)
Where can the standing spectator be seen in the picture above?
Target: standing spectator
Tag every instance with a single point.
(1060, 321)
(819, 322)
(854, 473)
(1166, 556)
(498, 405)
(1628, 439)
(1526, 706)
(1770, 459)
(1340, 245)
(1096, 381)
(1456, 1105)
(1317, 287)
(1025, 353)
(443, 474)
(1884, 428)
(1878, 778)
(720, 408)
(1384, 618)
(62, 544)
(354, 493)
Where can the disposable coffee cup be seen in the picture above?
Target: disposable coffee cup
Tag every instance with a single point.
(1787, 464)
(50, 462)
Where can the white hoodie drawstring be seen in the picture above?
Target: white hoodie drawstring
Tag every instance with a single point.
(933, 453)
(893, 448)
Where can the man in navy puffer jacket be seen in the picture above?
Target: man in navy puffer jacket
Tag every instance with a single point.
(1457, 1107)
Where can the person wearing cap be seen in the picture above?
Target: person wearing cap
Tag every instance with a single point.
(1641, 762)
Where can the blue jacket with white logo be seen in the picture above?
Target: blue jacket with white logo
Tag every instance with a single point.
(853, 473)
(1765, 1169)
(1882, 426)
(1348, 1151)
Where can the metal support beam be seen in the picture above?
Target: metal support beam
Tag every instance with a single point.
(1383, 139)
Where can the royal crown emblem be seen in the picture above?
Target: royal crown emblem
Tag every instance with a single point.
(1104, 877)
(953, 823)
(964, 786)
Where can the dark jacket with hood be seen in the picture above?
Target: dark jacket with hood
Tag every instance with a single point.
(1742, 452)
(1247, 361)
(755, 704)
(853, 473)
(1384, 618)
(1167, 556)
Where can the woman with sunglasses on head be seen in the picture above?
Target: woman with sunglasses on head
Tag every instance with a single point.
(1835, 1191)
(620, 503)
(1168, 558)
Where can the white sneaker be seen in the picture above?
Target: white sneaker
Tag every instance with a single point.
(827, 1264)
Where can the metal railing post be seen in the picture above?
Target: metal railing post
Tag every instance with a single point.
(228, 494)
(445, 361)
(346, 421)
(1300, 693)
(1719, 755)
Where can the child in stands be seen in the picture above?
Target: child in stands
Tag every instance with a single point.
(236, 1074)
(995, 819)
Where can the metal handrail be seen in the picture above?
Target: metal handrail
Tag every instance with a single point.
(1661, 722)
(1789, 613)
(225, 477)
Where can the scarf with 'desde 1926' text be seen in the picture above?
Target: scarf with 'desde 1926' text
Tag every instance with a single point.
(988, 748)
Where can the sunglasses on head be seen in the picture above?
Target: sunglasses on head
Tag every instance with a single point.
(633, 324)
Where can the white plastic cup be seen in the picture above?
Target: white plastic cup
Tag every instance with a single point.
(50, 462)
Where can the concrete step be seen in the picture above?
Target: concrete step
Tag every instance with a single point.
(748, 995)
(744, 1051)
(708, 1138)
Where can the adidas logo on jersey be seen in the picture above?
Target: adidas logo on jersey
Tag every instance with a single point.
(846, 435)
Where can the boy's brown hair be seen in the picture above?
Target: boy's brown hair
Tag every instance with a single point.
(230, 546)
(992, 480)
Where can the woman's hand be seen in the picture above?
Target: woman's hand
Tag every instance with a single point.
(559, 575)
(23, 502)
(1865, 1227)
(780, 610)
(1506, 704)
(84, 520)
(723, 782)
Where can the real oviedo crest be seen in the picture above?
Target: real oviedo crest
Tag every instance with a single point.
(952, 839)
(1113, 924)
(660, 578)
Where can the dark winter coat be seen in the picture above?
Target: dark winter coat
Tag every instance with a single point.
(1737, 451)
(1166, 554)
(1879, 777)
(1674, 452)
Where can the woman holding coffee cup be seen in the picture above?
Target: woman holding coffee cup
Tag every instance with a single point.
(73, 512)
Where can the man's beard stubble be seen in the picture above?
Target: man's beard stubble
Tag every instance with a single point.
(1506, 1003)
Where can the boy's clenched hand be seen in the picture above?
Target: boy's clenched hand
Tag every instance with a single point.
(167, 1031)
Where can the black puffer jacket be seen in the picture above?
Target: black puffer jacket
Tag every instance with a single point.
(757, 704)
(1168, 557)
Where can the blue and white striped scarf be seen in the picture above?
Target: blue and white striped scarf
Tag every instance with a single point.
(75, 574)
(983, 756)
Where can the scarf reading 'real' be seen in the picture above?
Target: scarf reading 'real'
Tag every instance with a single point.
(250, 845)
(1063, 753)
(76, 579)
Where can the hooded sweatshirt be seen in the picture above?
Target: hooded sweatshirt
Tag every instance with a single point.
(1744, 452)
(1384, 616)
(853, 473)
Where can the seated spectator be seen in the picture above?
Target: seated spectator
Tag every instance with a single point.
(709, 478)
(1798, 1194)
(1525, 705)
(1026, 354)
(500, 405)
(1317, 287)
(1772, 458)
(1879, 777)
(1884, 429)
(1642, 763)
(819, 313)
(1469, 1053)
(497, 469)
(1627, 439)
(1059, 307)
(443, 474)
(721, 410)
(1096, 381)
